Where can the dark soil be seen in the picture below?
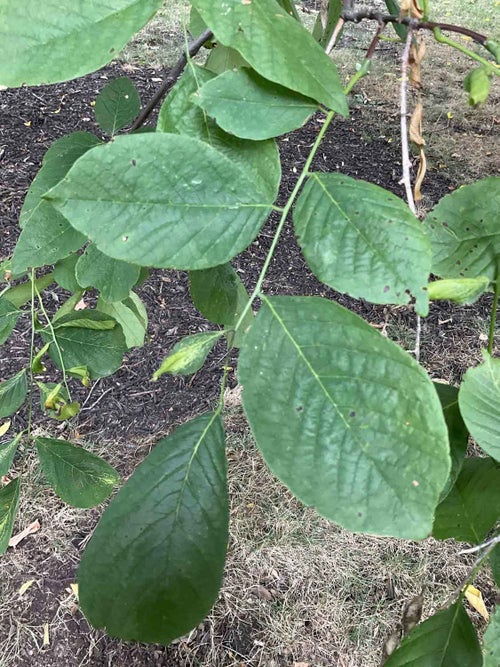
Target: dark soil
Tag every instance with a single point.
(127, 408)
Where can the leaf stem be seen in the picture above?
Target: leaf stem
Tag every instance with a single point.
(494, 308)
(439, 37)
(303, 175)
(56, 344)
(32, 347)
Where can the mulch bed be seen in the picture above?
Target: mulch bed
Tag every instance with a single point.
(127, 408)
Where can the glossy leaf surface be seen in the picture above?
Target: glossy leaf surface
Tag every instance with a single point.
(248, 106)
(446, 639)
(79, 477)
(361, 239)
(472, 507)
(344, 417)
(162, 200)
(153, 567)
(42, 44)
(479, 400)
(276, 46)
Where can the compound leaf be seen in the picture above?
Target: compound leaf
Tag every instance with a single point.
(479, 400)
(43, 43)
(344, 417)
(162, 200)
(117, 105)
(447, 639)
(248, 106)
(472, 507)
(153, 567)
(276, 46)
(79, 477)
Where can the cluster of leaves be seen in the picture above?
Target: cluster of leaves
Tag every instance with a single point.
(349, 421)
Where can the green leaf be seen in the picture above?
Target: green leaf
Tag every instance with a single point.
(131, 315)
(163, 200)
(13, 393)
(459, 290)
(85, 319)
(9, 315)
(189, 354)
(68, 306)
(457, 431)
(113, 278)
(37, 365)
(394, 9)
(289, 7)
(326, 22)
(248, 106)
(197, 26)
(221, 297)
(7, 453)
(223, 58)
(79, 477)
(9, 501)
(472, 507)
(180, 115)
(153, 567)
(117, 105)
(47, 236)
(495, 564)
(344, 417)
(361, 239)
(42, 43)
(478, 83)
(479, 400)
(492, 642)
(276, 46)
(447, 639)
(21, 294)
(464, 233)
(64, 273)
(100, 350)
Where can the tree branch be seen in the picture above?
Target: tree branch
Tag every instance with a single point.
(192, 49)
(414, 24)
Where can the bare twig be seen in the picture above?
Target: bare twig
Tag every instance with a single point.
(412, 23)
(406, 179)
(375, 41)
(489, 544)
(192, 49)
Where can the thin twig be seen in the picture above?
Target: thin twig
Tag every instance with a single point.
(375, 41)
(406, 179)
(191, 50)
(412, 23)
(484, 545)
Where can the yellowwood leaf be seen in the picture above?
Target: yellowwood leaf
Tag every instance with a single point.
(475, 599)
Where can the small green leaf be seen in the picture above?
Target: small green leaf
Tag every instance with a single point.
(221, 297)
(7, 453)
(189, 355)
(446, 639)
(83, 320)
(113, 278)
(459, 290)
(180, 115)
(479, 400)
(464, 232)
(223, 58)
(37, 365)
(327, 21)
(361, 239)
(13, 393)
(101, 350)
(67, 307)
(64, 273)
(79, 477)
(276, 46)
(9, 315)
(394, 9)
(478, 83)
(131, 315)
(9, 501)
(117, 105)
(42, 44)
(494, 48)
(21, 294)
(472, 507)
(335, 408)
(197, 26)
(248, 106)
(153, 567)
(457, 431)
(491, 645)
(162, 200)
